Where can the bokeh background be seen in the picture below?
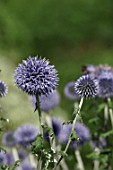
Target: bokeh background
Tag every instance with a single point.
(70, 33)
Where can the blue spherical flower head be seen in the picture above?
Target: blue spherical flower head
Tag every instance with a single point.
(25, 135)
(3, 158)
(10, 159)
(81, 130)
(8, 139)
(56, 125)
(69, 91)
(86, 86)
(90, 69)
(105, 81)
(47, 102)
(22, 154)
(3, 89)
(26, 166)
(36, 77)
(102, 69)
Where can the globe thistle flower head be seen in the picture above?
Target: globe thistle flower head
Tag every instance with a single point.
(10, 159)
(90, 69)
(81, 130)
(101, 69)
(26, 166)
(57, 126)
(3, 158)
(36, 77)
(25, 135)
(3, 89)
(86, 86)
(47, 102)
(105, 81)
(22, 154)
(101, 143)
(64, 133)
(69, 91)
(8, 139)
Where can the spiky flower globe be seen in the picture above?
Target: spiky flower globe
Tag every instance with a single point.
(47, 102)
(25, 165)
(69, 91)
(3, 89)
(90, 69)
(10, 159)
(56, 125)
(35, 76)
(25, 135)
(3, 158)
(102, 69)
(81, 130)
(86, 86)
(8, 139)
(105, 81)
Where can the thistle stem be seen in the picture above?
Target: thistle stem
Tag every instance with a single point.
(39, 112)
(49, 123)
(106, 116)
(73, 125)
(39, 166)
(79, 160)
(110, 112)
(16, 156)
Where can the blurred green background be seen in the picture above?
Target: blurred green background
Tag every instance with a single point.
(70, 33)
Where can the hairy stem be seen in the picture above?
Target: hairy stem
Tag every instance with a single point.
(79, 160)
(39, 166)
(39, 112)
(110, 111)
(73, 125)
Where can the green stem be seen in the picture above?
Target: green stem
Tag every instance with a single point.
(39, 112)
(39, 166)
(79, 160)
(110, 111)
(73, 125)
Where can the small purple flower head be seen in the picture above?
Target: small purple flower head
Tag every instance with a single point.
(48, 102)
(101, 69)
(56, 125)
(22, 154)
(86, 86)
(36, 77)
(26, 166)
(8, 139)
(10, 159)
(25, 134)
(3, 158)
(81, 130)
(90, 69)
(3, 89)
(105, 81)
(69, 91)
(101, 143)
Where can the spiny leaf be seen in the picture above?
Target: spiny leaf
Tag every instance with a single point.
(37, 146)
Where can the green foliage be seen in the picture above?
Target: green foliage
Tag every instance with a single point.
(38, 146)
(13, 167)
